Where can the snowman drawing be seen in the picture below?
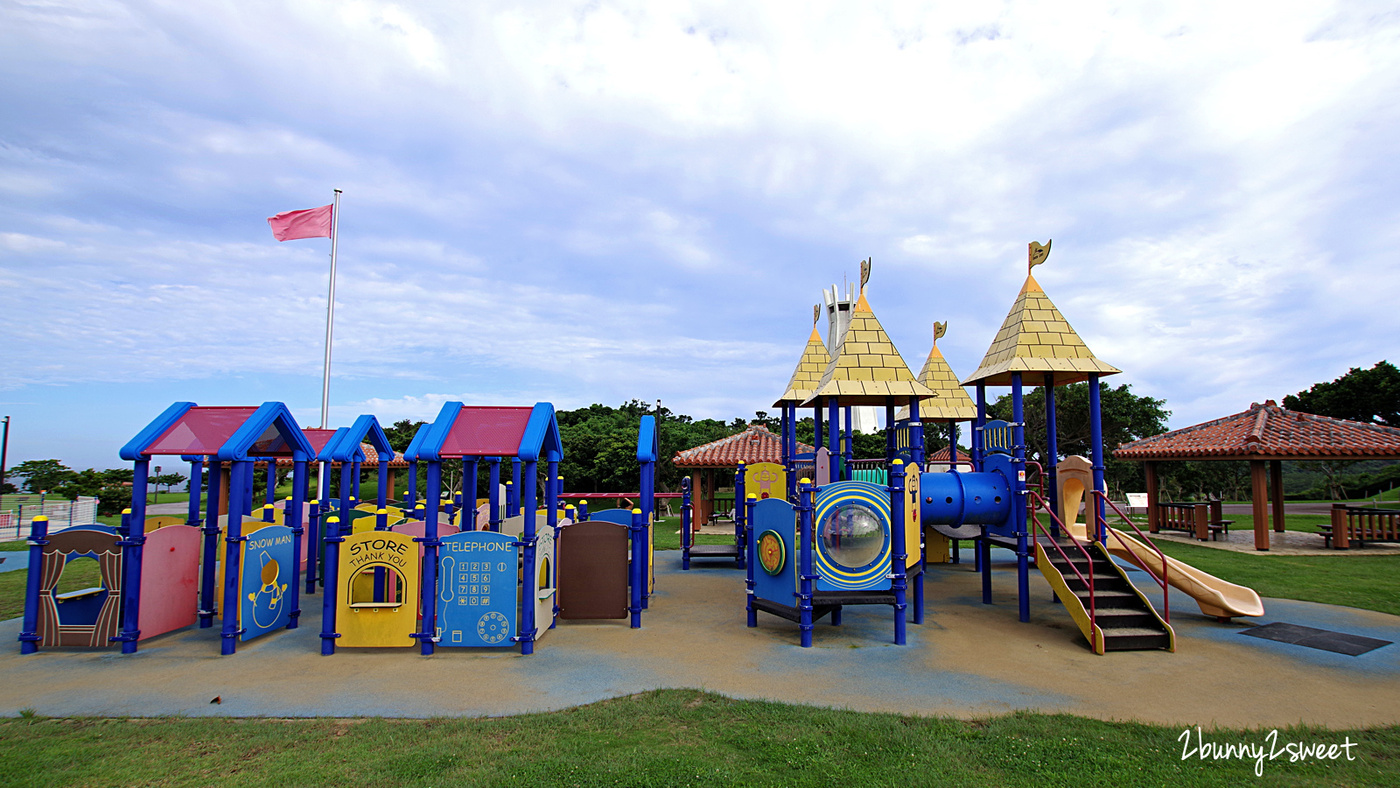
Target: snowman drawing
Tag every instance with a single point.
(267, 600)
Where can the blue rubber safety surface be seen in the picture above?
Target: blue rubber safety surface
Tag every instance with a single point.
(966, 660)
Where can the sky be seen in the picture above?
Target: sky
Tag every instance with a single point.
(590, 203)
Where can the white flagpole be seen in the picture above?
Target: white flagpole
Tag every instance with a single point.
(330, 322)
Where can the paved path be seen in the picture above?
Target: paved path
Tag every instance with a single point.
(967, 660)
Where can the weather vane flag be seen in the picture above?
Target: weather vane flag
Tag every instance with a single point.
(323, 222)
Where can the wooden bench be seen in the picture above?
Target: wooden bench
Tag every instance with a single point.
(1360, 524)
(1202, 520)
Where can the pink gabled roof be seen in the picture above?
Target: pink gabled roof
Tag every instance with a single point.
(486, 432)
(755, 444)
(1269, 432)
(201, 430)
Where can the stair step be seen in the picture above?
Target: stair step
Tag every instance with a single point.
(1110, 599)
(1120, 618)
(1135, 639)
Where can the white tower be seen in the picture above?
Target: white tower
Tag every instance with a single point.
(864, 418)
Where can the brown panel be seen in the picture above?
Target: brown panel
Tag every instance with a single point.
(592, 570)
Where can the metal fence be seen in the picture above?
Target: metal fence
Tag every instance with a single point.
(17, 511)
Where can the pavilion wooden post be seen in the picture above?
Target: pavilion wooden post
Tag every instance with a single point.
(389, 489)
(1258, 476)
(1150, 469)
(1276, 490)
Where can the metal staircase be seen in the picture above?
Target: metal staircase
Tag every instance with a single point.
(1111, 612)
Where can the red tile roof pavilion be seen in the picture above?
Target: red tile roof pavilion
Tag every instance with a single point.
(1264, 433)
(755, 444)
(1268, 432)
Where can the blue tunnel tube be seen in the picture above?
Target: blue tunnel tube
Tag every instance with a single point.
(956, 499)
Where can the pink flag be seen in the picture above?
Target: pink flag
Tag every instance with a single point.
(308, 223)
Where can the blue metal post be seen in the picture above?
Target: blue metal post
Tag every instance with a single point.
(528, 593)
(583, 511)
(981, 551)
(196, 487)
(890, 448)
(470, 483)
(131, 544)
(233, 545)
(916, 434)
(750, 501)
(553, 485)
(1018, 501)
(428, 603)
(1096, 450)
(381, 496)
(804, 567)
(293, 521)
(410, 494)
(637, 569)
(29, 628)
(1052, 451)
(900, 555)
(848, 450)
(355, 482)
(493, 495)
(513, 491)
(979, 437)
(344, 488)
(207, 591)
(685, 523)
(833, 440)
(332, 577)
(740, 527)
(791, 467)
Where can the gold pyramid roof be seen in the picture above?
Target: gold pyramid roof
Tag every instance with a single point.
(1036, 338)
(866, 368)
(950, 401)
(809, 371)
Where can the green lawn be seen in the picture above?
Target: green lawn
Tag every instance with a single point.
(1368, 582)
(662, 738)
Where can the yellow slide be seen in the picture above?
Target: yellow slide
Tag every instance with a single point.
(1216, 597)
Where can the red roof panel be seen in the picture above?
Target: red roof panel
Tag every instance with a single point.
(201, 430)
(486, 432)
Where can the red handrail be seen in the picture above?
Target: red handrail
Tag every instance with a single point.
(1039, 502)
(1161, 581)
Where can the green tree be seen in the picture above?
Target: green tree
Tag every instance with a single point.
(1124, 417)
(42, 475)
(1366, 395)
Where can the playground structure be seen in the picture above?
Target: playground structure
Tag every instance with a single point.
(496, 586)
(838, 542)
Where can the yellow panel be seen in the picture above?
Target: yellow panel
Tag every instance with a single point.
(936, 548)
(911, 516)
(371, 623)
(765, 480)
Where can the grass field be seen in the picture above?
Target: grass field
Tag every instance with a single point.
(663, 738)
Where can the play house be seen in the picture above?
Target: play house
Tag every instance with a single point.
(472, 588)
(171, 576)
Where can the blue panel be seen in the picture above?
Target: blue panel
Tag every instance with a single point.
(778, 516)
(329, 450)
(998, 437)
(1000, 467)
(478, 599)
(958, 498)
(619, 516)
(411, 453)
(268, 415)
(541, 436)
(268, 571)
(431, 444)
(835, 572)
(132, 450)
(646, 440)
